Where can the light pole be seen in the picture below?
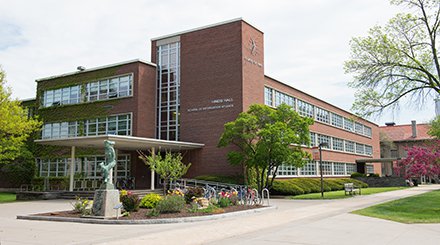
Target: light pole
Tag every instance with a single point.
(324, 144)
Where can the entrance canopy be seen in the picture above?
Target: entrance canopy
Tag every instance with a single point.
(122, 142)
(367, 160)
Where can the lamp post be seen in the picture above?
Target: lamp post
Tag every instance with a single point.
(324, 144)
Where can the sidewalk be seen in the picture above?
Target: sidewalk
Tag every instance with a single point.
(295, 222)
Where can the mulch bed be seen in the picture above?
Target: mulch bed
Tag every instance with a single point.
(142, 213)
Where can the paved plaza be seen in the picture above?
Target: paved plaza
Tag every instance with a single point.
(293, 222)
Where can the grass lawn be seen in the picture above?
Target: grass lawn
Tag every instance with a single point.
(424, 208)
(7, 197)
(341, 194)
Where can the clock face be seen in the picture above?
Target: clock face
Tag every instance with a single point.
(253, 46)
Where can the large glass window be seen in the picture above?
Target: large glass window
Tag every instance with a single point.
(338, 144)
(368, 150)
(305, 109)
(324, 139)
(168, 91)
(337, 120)
(309, 169)
(59, 130)
(117, 125)
(360, 149)
(62, 96)
(281, 98)
(114, 87)
(312, 139)
(339, 168)
(287, 170)
(322, 115)
(326, 168)
(349, 146)
(359, 128)
(268, 96)
(367, 131)
(348, 124)
(351, 168)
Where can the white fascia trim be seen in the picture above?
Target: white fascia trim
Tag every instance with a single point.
(97, 68)
(197, 29)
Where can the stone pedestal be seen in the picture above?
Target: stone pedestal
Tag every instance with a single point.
(104, 202)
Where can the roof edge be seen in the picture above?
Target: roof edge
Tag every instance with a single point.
(322, 100)
(96, 68)
(198, 29)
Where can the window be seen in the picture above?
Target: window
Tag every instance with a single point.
(337, 120)
(326, 168)
(59, 130)
(349, 146)
(309, 169)
(351, 168)
(338, 144)
(367, 131)
(324, 139)
(268, 96)
(62, 96)
(360, 149)
(305, 109)
(359, 128)
(369, 169)
(348, 124)
(287, 170)
(117, 125)
(322, 115)
(368, 150)
(281, 98)
(115, 87)
(312, 139)
(339, 168)
(393, 153)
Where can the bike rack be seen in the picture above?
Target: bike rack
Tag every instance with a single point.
(265, 190)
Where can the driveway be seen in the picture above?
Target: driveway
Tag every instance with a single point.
(294, 222)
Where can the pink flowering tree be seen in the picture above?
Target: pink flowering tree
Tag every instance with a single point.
(421, 161)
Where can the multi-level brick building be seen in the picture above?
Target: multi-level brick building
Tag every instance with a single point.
(196, 82)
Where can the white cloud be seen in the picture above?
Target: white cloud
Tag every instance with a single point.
(306, 42)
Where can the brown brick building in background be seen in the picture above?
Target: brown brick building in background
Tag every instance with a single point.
(196, 82)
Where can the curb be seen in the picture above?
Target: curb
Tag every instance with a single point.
(143, 222)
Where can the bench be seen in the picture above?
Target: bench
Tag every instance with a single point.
(351, 189)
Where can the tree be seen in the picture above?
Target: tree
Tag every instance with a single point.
(15, 126)
(397, 61)
(434, 129)
(421, 161)
(169, 168)
(266, 138)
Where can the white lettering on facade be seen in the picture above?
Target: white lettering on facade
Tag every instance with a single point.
(217, 104)
(254, 62)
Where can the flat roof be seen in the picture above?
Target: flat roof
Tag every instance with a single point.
(122, 142)
(96, 68)
(320, 100)
(203, 27)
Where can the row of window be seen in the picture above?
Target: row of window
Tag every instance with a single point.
(86, 166)
(312, 169)
(338, 144)
(117, 125)
(275, 98)
(114, 87)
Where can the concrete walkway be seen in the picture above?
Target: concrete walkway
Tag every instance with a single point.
(294, 222)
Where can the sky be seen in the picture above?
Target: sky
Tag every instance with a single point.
(306, 42)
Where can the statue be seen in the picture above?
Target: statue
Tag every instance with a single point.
(110, 161)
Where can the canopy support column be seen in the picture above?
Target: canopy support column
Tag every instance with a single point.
(72, 168)
(152, 171)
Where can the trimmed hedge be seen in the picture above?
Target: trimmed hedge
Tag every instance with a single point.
(299, 186)
(237, 180)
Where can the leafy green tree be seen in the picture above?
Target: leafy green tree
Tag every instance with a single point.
(397, 61)
(266, 139)
(434, 129)
(15, 126)
(169, 168)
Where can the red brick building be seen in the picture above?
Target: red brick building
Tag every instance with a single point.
(196, 82)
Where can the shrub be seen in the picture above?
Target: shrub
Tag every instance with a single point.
(224, 202)
(373, 175)
(356, 174)
(130, 201)
(150, 200)
(153, 213)
(238, 180)
(284, 187)
(82, 205)
(193, 192)
(171, 204)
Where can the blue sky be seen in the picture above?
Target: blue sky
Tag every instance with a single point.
(306, 42)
